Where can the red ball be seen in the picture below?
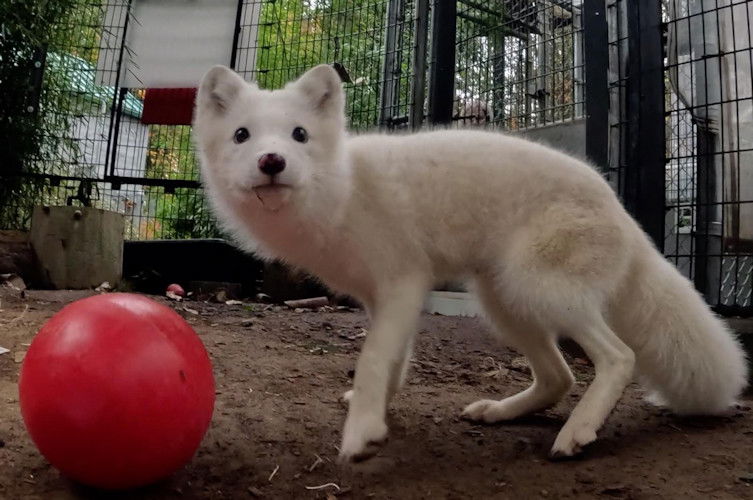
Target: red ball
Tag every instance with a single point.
(117, 391)
(176, 289)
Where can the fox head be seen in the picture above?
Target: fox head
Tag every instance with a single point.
(271, 151)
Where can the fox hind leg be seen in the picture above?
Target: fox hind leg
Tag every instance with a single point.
(552, 377)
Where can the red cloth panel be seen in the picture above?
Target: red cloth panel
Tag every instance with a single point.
(168, 106)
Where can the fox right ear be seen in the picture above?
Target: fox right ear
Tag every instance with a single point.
(219, 88)
(323, 87)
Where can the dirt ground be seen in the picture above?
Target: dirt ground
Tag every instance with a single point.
(280, 374)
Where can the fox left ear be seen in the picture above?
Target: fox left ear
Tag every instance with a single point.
(323, 87)
(219, 89)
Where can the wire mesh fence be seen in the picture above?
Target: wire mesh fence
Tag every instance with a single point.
(518, 65)
(105, 155)
(709, 124)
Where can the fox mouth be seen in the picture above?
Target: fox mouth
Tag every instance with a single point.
(273, 196)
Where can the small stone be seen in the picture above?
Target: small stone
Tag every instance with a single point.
(585, 478)
(13, 282)
(520, 364)
(614, 490)
(255, 492)
(247, 323)
(746, 477)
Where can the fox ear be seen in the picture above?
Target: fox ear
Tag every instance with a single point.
(323, 87)
(219, 89)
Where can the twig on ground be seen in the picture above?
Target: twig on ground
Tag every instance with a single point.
(322, 486)
(20, 316)
(273, 473)
(316, 463)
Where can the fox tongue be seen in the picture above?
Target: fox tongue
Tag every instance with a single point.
(273, 197)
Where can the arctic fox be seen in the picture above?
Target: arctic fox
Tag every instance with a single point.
(541, 236)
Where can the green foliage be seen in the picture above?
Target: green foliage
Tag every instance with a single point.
(27, 28)
(184, 213)
(295, 35)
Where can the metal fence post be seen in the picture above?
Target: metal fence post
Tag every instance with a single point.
(643, 186)
(596, 59)
(442, 80)
(117, 106)
(418, 90)
(391, 66)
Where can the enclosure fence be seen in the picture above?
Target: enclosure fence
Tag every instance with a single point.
(657, 95)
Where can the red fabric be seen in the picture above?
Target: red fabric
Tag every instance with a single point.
(168, 106)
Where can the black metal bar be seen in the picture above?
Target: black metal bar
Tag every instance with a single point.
(390, 67)
(596, 60)
(705, 189)
(418, 85)
(497, 37)
(145, 181)
(483, 8)
(236, 34)
(39, 61)
(113, 142)
(442, 80)
(116, 179)
(116, 103)
(643, 187)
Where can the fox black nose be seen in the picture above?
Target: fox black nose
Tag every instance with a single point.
(271, 164)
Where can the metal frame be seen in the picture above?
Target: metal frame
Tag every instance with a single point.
(442, 79)
(418, 84)
(596, 59)
(643, 187)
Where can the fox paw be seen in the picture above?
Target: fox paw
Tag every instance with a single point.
(571, 440)
(347, 396)
(362, 438)
(489, 411)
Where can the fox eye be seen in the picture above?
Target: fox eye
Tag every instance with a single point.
(241, 135)
(300, 134)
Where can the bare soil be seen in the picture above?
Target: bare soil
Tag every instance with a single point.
(280, 375)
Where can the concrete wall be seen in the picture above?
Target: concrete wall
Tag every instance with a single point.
(569, 137)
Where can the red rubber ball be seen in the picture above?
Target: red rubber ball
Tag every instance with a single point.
(117, 391)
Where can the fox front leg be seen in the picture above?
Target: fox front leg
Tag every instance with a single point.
(380, 367)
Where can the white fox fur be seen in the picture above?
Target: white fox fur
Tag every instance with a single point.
(542, 237)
